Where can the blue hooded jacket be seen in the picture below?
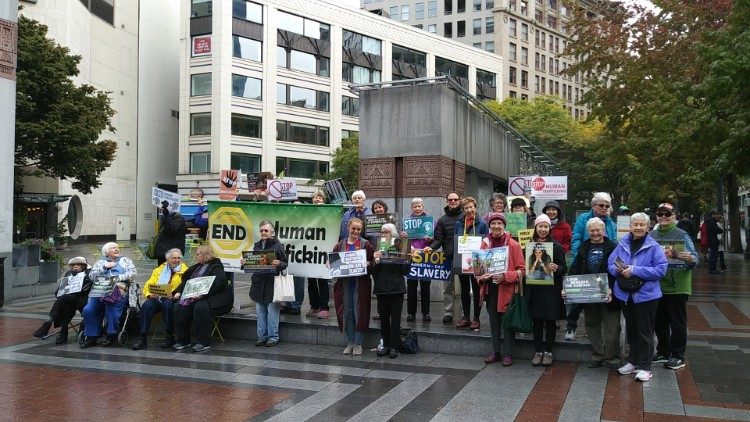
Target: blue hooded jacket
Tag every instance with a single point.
(649, 263)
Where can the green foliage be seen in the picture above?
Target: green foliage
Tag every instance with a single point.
(58, 123)
(345, 164)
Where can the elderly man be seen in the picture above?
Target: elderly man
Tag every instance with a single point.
(600, 204)
(676, 287)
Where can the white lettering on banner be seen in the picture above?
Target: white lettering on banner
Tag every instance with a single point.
(550, 187)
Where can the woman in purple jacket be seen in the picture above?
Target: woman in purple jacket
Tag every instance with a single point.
(638, 262)
(417, 210)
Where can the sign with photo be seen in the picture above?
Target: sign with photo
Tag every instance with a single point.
(70, 284)
(586, 288)
(198, 286)
(464, 246)
(102, 286)
(674, 248)
(259, 262)
(516, 221)
(394, 251)
(229, 183)
(159, 195)
(490, 261)
(373, 223)
(419, 227)
(538, 258)
(336, 191)
(348, 264)
(431, 266)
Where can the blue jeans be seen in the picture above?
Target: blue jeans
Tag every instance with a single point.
(350, 312)
(268, 320)
(95, 310)
(152, 307)
(299, 292)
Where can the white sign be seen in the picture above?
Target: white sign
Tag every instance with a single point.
(469, 244)
(623, 226)
(348, 263)
(517, 184)
(159, 195)
(550, 187)
(282, 189)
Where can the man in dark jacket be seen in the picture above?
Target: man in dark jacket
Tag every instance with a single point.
(712, 233)
(443, 238)
(688, 226)
(172, 229)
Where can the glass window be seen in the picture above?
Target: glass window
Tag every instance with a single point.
(552, 4)
(524, 7)
(419, 10)
(200, 162)
(512, 5)
(512, 28)
(524, 55)
(407, 55)
(461, 28)
(448, 29)
(200, 84)
(300, 168)
(431, 9)
(394, 13)
(448, 67)
(323, 103)
(489, 4)
(359, 42)
(404, 13)
(200, 123)
(281, 59)
(489, 25)
(302, 134)
(460, 6)
(248, 163)
(539, 16)
(359, 74)
(512, 52)
(346, 134)
(448, 7)
(317, 30)
(350, 106)
(302, 61)
(477, 5)
(245, 48)
(199, 8)
(512, 75)
(432, 28)
(477, 26)
(247, 87)
(302, 97)
(477, 44)
(487, 78)
(524, 32)
(512, 94)
(248, 11)
(524, 79)
(291, 23)
(552, 22)
(243, 125)
(489, 46)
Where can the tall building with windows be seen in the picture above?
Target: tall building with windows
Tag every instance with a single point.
(264, 85)
(530, 35)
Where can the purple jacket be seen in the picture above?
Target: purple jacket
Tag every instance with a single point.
(649, 263)
(419, 243)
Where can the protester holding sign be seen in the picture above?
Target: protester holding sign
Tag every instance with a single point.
(218, 301)
(417, 210)
(469, 225)
(357, 211)
(351, 295)
(261, 290)
(172, 229)
(317, 288)
(122, 270)
(545, 301)
(68, 302)
(639, 263)
(157, 292)
(561, 232)
(389, 288)
(602, 319)
(498, 289)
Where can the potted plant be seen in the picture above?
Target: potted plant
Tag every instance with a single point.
(51, 264)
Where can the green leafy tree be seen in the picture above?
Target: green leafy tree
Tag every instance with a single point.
(344, 164)
(58, 123)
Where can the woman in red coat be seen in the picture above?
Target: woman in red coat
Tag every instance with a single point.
(561, 232)
(499, 288)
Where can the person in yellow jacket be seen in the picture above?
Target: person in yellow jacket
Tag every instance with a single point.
(157, 293)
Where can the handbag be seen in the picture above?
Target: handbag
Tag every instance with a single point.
(630, 285)
(150, 251)
(409, 344)
(283, 288)
(517, 317)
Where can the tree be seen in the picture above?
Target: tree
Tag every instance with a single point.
(345, 164)
(58, 123)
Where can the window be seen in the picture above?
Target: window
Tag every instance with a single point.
(407, 55)
(432, 29)
(544, 85)
(448, 29)
(394, 13)
(539, 16)
(432, 8)
(512, 28)
(359, 42)
(512, 52)
(305, 62)
(524, 79)
(551, 66)
(551, 43)
(461, 29)
(419, 11)
(200, 84)
(552, 4)
(537, 37)
(477, 44)
(200, 124)
(524, 56)
(537, 60)
(102, 9)
(557, 87)
(489, 4)
(557, 45)
(294, 167)
(200, 8)
(552, 22)
(524, 7)
(489, 46)
(405, 13)
(477, 5)
(557, 66)
(448, 6)
(536, 83)
(524, 32)
(544, 40)
(512, 75)
(246, 87)
(200, 162)
(301, 133)
(247, 11)
(418, 26)
(243, 125)
(346, 134)
(358, 74)
(449, 67)
(512, 5)
(461, 6)
(350, 106)
(512, 94)
(302, 97)
(487, 78)
(245, 48)
(248, 163)
(489, 25)
(477, 26)
(303, 26)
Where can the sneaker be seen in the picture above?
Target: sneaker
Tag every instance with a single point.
(492, 358)
(357, 350)
(426, 318)
(547, 359)
(659, 358)
(201, 347)
(168, 342)
(447, 319)
(537, 359)
(626, 369)
(180, 346)
(311, 313)
(271, 343)
(393, 354)
(474, 325)
(642, 375)
(382, 352)
(348, 349)
(463, 324)
(570, 335)
(596, 364)
(324, 314)
(674, 363)
(409, 318)
(261, 342)
(507, 360)
(43, 330)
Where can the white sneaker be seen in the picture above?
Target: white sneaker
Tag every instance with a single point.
(642, 375)
(348, 349)
(626, 369)
(357, 350)
(570, 335)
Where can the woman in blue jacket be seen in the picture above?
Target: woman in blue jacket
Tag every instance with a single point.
(639, 263)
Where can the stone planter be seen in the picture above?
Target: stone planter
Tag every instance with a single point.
(26, 256)
(49, 272)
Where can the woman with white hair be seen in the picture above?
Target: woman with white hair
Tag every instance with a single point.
(357, 211)
(261, 290)
(122, 269)
(639, 263)
(417, 210)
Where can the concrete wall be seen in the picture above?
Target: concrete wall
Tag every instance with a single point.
(8, 12)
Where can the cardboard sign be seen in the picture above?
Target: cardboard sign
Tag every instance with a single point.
(419, 227)
(550, 187)
(336, 191)
(586, 288)
(516, 222)
(198, 286)
(490, 261)
(163, 290)
(373, 223)
(432, 266)
(538, 258)
(282, 189)
(70, 284)
(201, 45)
(348, 264)
(159, 195)
(525, 236)
(259, 262)
(623, 226)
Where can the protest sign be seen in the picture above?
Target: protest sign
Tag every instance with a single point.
(395, 251)
(468, 244)
(102, 286)
(198, 286)
(586, 288)
(159, 195)
(517, 185)
(348, 264)
(373, 223)
(673, 248)
(463, 247)
(336, 191)
(70, 284)
(259, 261)
(550, 187)
(623, 226)
(229, 182)
(516, 222)
(163, 290)
(419, 227)
(282, 189)
(538, 258)
(307, 232)
(490, 261)
(432, 266)
(525, 236)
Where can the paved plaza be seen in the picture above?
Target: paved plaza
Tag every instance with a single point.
(236, 381)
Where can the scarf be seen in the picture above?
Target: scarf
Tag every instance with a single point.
(554, 221)
(166, 275)
(667, 229)
(497, 242)
(469, 221)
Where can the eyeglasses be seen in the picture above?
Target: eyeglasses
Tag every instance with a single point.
(265, 230)
(452, 199)
(664, 214)
(602, 205)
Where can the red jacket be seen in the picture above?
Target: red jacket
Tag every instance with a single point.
(562, 234)
(364, 290)
(514, 274)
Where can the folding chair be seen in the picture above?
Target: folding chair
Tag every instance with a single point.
(216, 332)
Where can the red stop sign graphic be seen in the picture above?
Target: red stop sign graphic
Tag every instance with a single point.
(538, 183)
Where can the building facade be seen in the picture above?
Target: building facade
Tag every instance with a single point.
(530, 35)
(264, 85)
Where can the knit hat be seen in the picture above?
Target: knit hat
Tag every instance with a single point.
(553, 204)
(78, 260)
(517, 202)
(542, 219)
(495, 216)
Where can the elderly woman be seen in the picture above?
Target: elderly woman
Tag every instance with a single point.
(390, 289)
(498, 289)
(122, 270)
(470, 225)
(66, 305)
(639, 263)
(261, 290)
(357, 211)
(217, 302)
(351, 295)
(317, 288)
(498, 203)
(167, 275)
(417, 210)
(602, 319)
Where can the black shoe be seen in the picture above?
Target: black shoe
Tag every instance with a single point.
(383, 352)
(271, 343)
(260, 342)
(89, 342)
(110, 340)
(141, 343)
(674, 363)
(285, 310)
(659, 358)
(393, 354)
(43, 330)
(409, 318)
(426, 318)
(447, 319)
(295, 311)
(168, 342)
(62, 337)
(596, 364)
